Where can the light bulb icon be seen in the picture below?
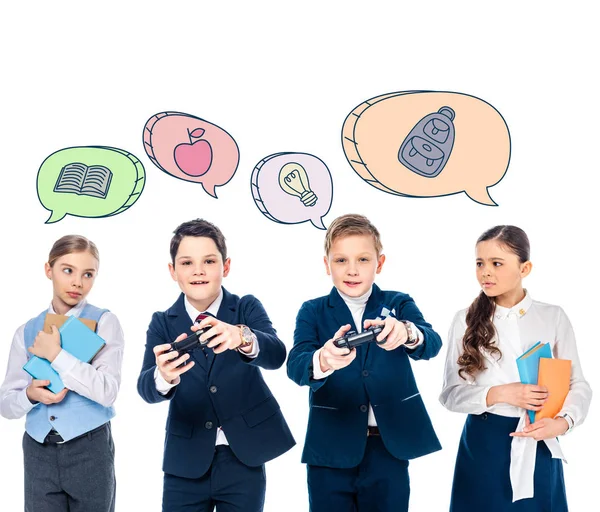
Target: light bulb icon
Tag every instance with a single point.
(294, 181)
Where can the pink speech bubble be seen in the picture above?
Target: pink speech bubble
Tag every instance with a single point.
(191, 149)
(292, 188)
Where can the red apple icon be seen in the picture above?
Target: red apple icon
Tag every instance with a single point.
(195, 158)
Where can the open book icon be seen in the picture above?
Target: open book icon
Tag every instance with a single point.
(78, 178)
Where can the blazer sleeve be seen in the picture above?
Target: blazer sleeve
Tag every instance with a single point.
(306, 342)
(432, 342)
(272, 350)
(156, 335)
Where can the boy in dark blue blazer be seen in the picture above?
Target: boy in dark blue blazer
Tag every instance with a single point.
(223, 423)
(367, 418)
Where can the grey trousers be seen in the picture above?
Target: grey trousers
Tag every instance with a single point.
(76, 476)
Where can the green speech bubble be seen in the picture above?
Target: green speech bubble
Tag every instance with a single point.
(89, 181)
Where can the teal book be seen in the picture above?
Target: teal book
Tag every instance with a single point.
(78, 340)
(528, 364)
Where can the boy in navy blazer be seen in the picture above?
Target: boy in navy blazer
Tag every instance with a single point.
(367, 418)
(223, 422)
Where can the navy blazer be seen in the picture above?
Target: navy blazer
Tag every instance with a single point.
(337, 425)
(224, 390)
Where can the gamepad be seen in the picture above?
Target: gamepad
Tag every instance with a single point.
(353, 339)
(192, 342)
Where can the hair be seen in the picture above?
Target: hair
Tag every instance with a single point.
(480, 328)
(198, 227)
(348, 225)
(69, 244)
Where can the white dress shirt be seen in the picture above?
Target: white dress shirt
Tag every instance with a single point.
(357, 306)
(517, 329)
(99, 380)
(163, 387)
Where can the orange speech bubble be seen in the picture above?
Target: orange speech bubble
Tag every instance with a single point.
(428, 144)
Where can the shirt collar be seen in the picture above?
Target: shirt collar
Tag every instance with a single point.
(74, 311)
(213, 309)
(518, 310)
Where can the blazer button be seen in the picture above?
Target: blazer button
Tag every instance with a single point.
(364, 408)
(208, 425)
(52, 418)
(213, 389)
(365, 373)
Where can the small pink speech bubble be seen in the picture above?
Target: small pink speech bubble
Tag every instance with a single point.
(191, 149)
(292, 188)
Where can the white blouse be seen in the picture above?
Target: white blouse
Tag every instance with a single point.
(517, 329)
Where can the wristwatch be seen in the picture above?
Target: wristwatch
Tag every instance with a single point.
(246, 335)
(412, 335)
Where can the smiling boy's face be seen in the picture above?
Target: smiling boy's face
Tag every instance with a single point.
(199, 270)
(352, 263)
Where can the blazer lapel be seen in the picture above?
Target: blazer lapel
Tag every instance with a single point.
(227, 314)
(340, 311)
(182, 323)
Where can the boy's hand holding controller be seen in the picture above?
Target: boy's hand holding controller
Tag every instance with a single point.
(224, 336)
(168, 363)
(394, 330)
(334, 358)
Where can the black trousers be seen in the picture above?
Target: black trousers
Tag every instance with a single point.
(228, 485)
(379, 483)
(76, 476)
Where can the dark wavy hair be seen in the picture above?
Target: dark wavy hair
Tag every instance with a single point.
(480, 329)
(198, 227)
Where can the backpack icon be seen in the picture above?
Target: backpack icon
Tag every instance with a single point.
(426, 149)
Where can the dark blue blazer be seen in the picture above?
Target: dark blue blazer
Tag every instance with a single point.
(337, 425)
(224, 390)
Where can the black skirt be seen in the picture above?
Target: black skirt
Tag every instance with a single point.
(482, 471)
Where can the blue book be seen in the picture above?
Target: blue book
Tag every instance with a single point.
(528, 364)
(77, 339)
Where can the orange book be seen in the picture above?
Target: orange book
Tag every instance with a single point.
(59, 320)
(555, 374)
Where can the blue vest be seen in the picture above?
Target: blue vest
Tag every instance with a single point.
(75, 415)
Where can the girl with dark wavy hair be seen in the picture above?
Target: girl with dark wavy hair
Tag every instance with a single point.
(501, 464)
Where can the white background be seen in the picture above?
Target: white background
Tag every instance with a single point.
(282, 77)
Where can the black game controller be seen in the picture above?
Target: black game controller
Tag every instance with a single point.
(352, 339)
(192, 342)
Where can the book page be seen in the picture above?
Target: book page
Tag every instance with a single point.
(97, 181)
(71, 178)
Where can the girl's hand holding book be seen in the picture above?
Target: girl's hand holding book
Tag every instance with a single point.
(526, 396)
(46, 346)
(546, 428)
(37, 392)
